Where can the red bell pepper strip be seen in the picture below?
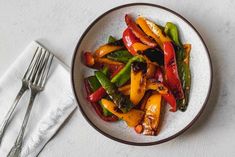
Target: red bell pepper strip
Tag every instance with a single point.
(171, 100)
(97, 95)
(159, 75)
(169, 97)
(100, 93)
(171, 71)
(89, 59)
(129, 39)
(138, 32)
(98, 108)
(116, 71)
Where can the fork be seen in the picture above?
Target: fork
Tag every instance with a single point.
(27, 78)
(36, 86)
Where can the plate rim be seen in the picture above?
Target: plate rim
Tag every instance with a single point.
(109, 135)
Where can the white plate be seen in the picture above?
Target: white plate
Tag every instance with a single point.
(112, 23)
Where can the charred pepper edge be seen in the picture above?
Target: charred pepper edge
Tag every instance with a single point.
(122, 102)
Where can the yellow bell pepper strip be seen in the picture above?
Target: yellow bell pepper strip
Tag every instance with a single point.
(138, 81)
(125, 89)
(138, 32)
(152, 84)
(98, 63)
(105, 62)
(151, 68)
(152, 114)
(144, 100)
(132, 118)
(105, 111)
(109, 47)
(141, 21)
(182, 58)
(122, 102)
(161, 38)
(106, 49)
(124, 75)
(139, 47)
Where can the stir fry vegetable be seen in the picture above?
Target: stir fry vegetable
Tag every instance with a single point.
(138, 81)
(132, 118)
(123, 103)
(138, 32)
(120, 56)
(171, 71)
(152, 114)
(124, 75)
(97, 106)
(182, 58)
(138, 74)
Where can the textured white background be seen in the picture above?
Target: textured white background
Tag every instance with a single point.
(58, 24)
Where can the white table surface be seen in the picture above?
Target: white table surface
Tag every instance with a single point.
(58, 24)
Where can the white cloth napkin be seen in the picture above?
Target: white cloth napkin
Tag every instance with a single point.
(50, 110)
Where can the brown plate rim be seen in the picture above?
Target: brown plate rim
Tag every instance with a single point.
(124, 141)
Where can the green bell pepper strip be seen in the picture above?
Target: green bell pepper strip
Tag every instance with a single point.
(111, 39)
(172, 31)
(105, 111)
(95, 85)
(183, 67)
(97, 107)
(117, 43)
(124, 75)
(122, 102)
(105, 70)
(121, 56)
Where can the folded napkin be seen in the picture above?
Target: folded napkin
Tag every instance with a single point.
(50, 110)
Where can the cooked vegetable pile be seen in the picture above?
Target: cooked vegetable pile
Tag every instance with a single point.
(138, 74)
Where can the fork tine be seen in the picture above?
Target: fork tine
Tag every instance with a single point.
(43, 69)
(38, 69)
(38, 66)
(35, 66)
(31, 62)
(46, 71)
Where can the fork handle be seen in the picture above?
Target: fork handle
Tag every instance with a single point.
(10, 112)
(16, 149)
